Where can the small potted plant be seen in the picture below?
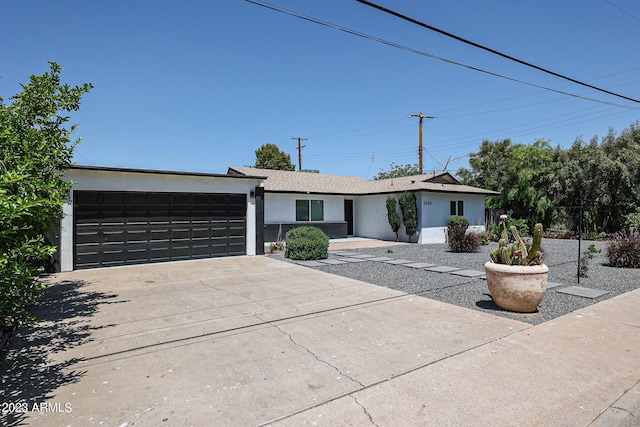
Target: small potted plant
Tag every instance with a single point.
(516, 275)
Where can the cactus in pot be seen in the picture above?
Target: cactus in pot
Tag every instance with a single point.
(516, 276)
(517, 253)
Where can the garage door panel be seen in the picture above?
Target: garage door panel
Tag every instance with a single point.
(236, 230)
(112, 198)
(200, 216)
(136, 217)
(160, 254)
(200, 200)
(112, 217)
(121, 228)
(137, 236)
(136, 199)
(181, 199)
(160, 234)
(83, 198)
(180, 234)
(159, 199)
(159, 217)
(112, 236)
(88, 215)
(219, 232)
(201, 251)
(181, 252)
(180, 216)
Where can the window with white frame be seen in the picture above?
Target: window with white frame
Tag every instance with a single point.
(309, 210)
(457, 207)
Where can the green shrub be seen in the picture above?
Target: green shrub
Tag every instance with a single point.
(35, 148)
(633, 219)
(624, 249)
(276, 246)
(485, 237)
(458, 221)
(520, 224)
(306, 243)
(458, 238)
(585, 258)
(461, 241)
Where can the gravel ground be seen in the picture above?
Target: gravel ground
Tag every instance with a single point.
(560, 255)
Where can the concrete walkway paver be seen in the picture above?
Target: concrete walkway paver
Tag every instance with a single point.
(255, 341)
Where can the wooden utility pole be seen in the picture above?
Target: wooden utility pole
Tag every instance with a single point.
(300, 147)
(421, 116)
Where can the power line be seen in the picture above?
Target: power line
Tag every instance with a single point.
(495, 52)
(429, 55)
(622, 10)
(329, 134)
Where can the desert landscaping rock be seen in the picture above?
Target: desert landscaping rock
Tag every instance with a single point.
(560, 255)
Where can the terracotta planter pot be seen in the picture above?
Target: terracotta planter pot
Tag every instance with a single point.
(516, 287)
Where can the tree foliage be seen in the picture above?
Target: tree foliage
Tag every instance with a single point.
(392, 215)
(269, 156)
(35, 148)
(409, 213)
(521, 173)
(397, 171)
(541, 184)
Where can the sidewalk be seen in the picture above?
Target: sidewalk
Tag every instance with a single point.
(580, 370)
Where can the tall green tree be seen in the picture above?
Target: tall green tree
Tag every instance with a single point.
(392, 215)
(269, 156)
(522, 175)
(397, 171)
(601, 181)
(35, 148)
(409, 213)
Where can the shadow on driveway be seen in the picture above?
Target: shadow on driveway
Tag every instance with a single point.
(29, 372)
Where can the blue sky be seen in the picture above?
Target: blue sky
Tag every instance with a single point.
(200, 85)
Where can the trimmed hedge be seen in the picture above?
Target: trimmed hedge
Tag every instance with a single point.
(458, 221)
(306, 243)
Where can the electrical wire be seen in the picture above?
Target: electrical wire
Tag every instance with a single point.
(622, 10)
(429, 55)
(495, 52)
(329, 134)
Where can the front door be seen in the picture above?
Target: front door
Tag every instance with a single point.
(348, 216)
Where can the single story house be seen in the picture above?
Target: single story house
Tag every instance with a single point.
(350, 206)
(121, 216)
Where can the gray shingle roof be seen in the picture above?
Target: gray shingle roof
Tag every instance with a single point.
(316, 183)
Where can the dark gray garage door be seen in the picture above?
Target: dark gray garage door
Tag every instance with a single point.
(122, 228)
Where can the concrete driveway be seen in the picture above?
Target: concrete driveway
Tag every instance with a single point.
(254, 341)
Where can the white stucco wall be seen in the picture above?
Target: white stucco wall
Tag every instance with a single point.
(109, 180)
(281, 207)
(370, 213)
(370, 216)
(436, 211)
